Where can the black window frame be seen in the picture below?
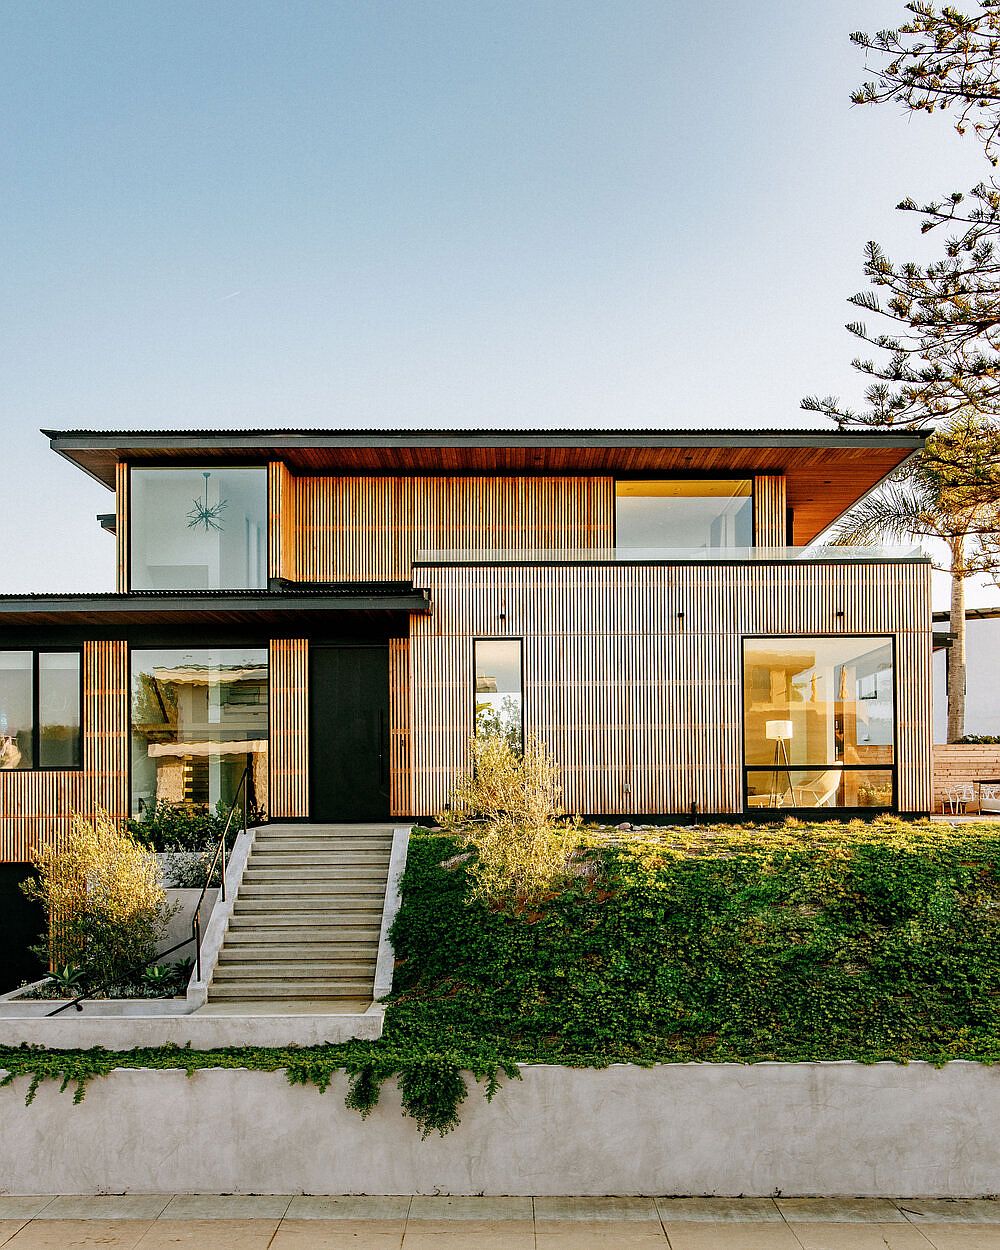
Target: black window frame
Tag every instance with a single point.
(520, 648)
(36, 737)
(638, 476)
(834, 812)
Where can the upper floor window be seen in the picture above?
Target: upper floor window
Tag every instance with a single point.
(666, 513)
(40, 709)
(198, 529)
(499, 694)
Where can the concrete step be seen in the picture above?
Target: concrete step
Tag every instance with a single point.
(296, 970)
(367, 905)
(310, 841)
(314, 873)
(334, 889)
(321, 855)
(284, 934)
(332, 953)
(321, 990)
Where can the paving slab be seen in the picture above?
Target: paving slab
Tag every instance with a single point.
(338, 1234)
(855, 1235)
(719, 1210)
(79, 1235)
(478, 1209)
(951, 1210)
(107, 1207)
(227, 1207)
(594, 1209)
(210, 1234)
(307, 1207)
(840, 1210)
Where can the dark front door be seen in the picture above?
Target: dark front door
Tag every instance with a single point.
(349, 733)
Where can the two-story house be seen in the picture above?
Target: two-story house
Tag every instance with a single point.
(341, 610)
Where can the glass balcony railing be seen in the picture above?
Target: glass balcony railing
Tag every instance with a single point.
(828, 553)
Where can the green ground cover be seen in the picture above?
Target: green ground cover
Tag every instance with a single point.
(870, 941)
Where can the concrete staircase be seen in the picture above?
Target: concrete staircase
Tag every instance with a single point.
(306, 921)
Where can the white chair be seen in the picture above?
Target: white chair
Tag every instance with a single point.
(820, 790)
(957, 797)
(989, 796)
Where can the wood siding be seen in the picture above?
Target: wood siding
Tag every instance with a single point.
(280, 521)
(288, 746)
(38, 806)
(371, 528)
(634, 675)
(963, 764)
(769, 511)
(400, 772)
(121, 528)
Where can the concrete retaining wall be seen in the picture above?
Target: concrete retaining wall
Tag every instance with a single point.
(727, 1129)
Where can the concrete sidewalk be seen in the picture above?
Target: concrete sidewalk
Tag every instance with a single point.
(306, 1223)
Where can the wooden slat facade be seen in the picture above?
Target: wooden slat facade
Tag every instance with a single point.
(121, 528)
(770, 506)
(38, 806)
(633, 676)
(288, 745)
(281, 513)
(400, 747)
(371, 528)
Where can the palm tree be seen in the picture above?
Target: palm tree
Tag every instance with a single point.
(949, 491)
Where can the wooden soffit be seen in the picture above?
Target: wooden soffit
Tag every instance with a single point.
(826, 472)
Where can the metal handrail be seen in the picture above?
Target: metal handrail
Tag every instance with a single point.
(220, 853)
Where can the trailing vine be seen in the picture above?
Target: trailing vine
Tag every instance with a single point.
(867, 941)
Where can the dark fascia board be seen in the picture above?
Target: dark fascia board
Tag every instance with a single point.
(972, 614)
(277, 440)
(108, 522)
(98, 604)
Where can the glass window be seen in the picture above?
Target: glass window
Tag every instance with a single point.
(199, 717)
(498, 697)
(819, 720)
(42, 732)
(689, 514)
(16, 709)
(198, 529)
(59, 709)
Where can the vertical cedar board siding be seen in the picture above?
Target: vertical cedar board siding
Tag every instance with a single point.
(36, 807)
(371, 528)
(400, 792)
(642, 706)
(288, 746)
(769, 511)
(121, 528)
(280, 521)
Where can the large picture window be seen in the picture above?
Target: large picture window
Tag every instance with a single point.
(198, 529)
(690, 514)
(199, 717)
(819, 722)
(40, 709)
(499, 700)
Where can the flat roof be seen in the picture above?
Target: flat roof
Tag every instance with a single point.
(826, 471)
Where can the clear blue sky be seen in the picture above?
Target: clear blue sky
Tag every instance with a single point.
(472, 214)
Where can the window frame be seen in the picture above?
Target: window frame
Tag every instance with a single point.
(892, 768)
(648, 476)
(519, 639)
(36, 736)
(144, 465)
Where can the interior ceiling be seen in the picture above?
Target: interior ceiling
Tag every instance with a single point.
(825, 473)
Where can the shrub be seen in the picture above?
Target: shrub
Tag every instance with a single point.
(513, 803)
(103, 900)
(164, 826)
(980, 739)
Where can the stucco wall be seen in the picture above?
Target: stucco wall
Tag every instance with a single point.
(794, 1129)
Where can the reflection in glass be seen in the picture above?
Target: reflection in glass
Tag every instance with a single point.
(198, 529)
(199, 717)
(498, 697)
(818, 722)
(689, 514)
(16, 736)
(59, 709)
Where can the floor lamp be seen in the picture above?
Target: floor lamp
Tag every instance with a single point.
(779, 732)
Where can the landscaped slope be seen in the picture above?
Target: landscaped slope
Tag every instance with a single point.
(795, 942)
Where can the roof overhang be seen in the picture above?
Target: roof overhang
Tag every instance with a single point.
(826, 471)
(210, 608)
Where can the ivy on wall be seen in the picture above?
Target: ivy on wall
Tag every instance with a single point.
(868, 941)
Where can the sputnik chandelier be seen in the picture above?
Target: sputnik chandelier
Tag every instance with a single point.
(206, 514)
